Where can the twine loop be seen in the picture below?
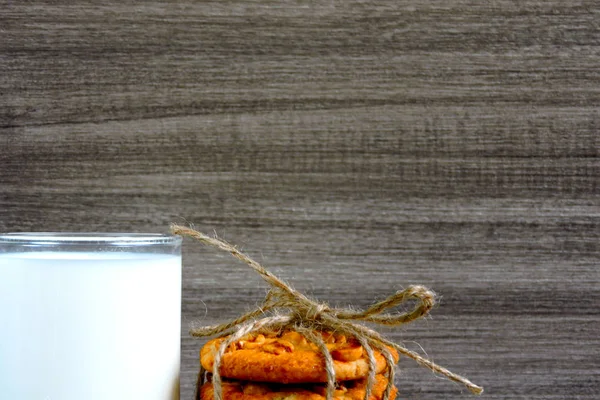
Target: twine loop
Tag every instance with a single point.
(286, 308)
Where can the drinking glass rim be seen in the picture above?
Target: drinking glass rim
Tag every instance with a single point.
(88, 238)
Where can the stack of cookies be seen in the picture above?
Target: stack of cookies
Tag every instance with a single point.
(286, 366)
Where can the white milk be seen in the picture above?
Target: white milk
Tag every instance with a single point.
(89, 326)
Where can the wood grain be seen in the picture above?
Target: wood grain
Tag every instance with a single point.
(354, 147)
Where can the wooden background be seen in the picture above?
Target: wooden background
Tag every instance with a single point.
(354, 147)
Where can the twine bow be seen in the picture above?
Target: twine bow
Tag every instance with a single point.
(305, 316)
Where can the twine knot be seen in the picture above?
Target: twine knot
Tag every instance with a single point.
(305, 315)
(315, 312)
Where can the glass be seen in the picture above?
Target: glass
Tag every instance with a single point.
(92, 316)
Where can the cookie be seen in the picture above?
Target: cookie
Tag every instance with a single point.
(245, 390)
(290, 358)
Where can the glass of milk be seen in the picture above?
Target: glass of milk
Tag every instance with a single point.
(90, 316)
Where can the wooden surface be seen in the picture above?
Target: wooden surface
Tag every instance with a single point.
(354, 147)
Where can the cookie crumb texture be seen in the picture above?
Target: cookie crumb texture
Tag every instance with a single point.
(290, 358)
(243, 390)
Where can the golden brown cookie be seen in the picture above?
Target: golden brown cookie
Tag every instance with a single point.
(245, 390)
(290, 358)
